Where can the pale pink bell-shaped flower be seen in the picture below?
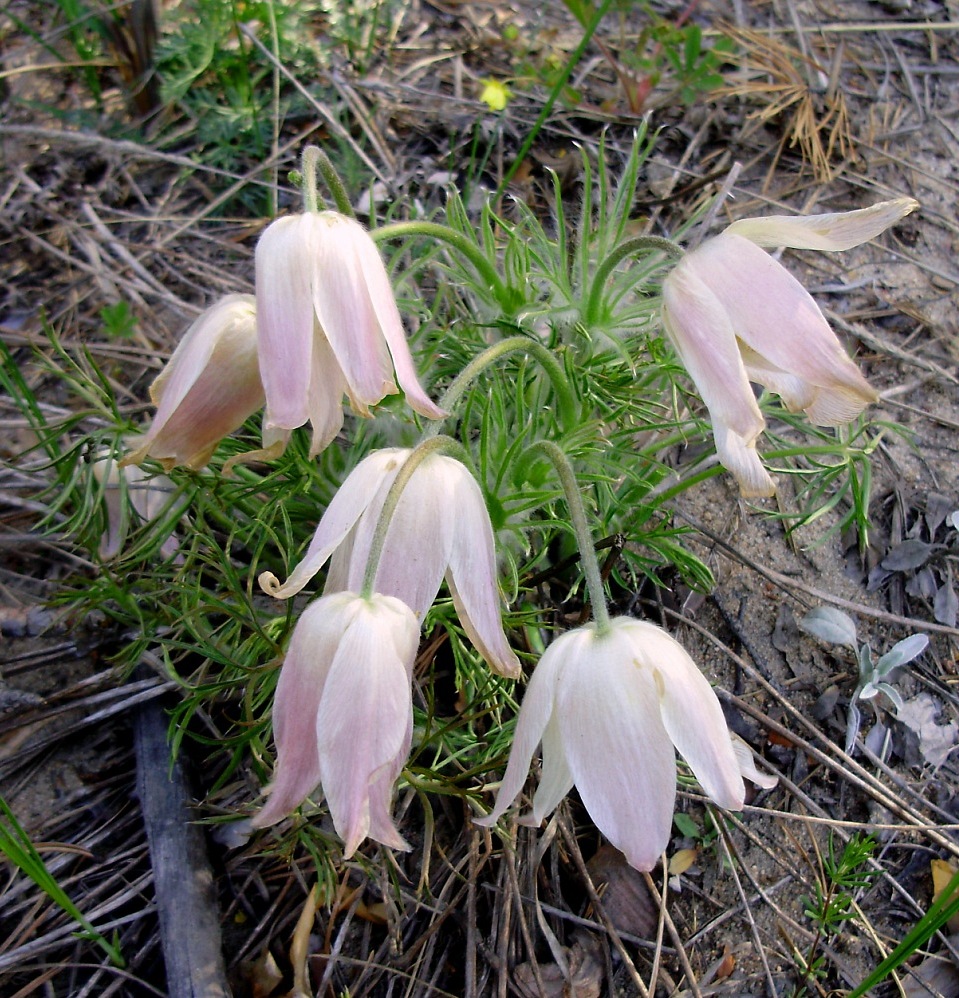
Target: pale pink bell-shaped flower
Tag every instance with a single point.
(440, 528)
(608, 709)
(209, 387)
(735, 315)
(343, 714)
(328, 326)
(126, 488)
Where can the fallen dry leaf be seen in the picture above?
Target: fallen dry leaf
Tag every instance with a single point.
(625, 897)
(936, 740)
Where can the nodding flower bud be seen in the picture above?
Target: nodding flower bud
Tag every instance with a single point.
(343, 714)
(209, 387)
(328, 326)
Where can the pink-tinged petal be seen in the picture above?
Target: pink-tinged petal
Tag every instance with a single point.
(340, 254)
(368, 479)
(834, 231)
(795, 393)
(618, 751)
(382, 827)
(299, 690)
(364, 722)
(472, 576)
(701, 331)
(739, 458)
(774, 315)
(391, 327)
(285, 320)
(419, 539)
(531, 725)
(208, 388)
(690, 710)
(325, 402)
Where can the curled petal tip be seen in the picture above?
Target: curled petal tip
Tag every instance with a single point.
(270, 584)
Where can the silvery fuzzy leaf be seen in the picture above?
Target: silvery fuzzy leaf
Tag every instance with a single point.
(867, 691)
(936, 740)
(830, 625)
(945, 607)
(892, 693)
(938, 507)
(902, 652)
(953, 518)
(923, 583)
(906, 556)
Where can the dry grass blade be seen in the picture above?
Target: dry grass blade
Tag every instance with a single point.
(778, 77)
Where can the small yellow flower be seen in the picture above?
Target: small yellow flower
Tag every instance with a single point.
(495, 95)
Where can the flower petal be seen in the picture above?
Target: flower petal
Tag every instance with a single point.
(534, 716)
(391, 327)
(691, 713)
(325, 401)
(209, 387)
(740, 459)
(747, 765)
(834, 231)
(370, 477)
(285, 320)
(701, 330)
(556, 780)
(299, 690)
(419, 538)
(618, 751)
(342, 253)
(472, 576)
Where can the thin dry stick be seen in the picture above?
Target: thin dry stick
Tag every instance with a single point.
(502, 938)
(660, 929)
(573, 847)
(509, 854)
(471, 913)
(673, 931)
(747, 912)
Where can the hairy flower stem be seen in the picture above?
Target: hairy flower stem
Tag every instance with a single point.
(566, 400)
(433, 445)
(456, 241)
(626, 249)
(584, 538)
(315, 159)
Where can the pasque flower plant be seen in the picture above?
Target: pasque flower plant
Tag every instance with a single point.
(735, 315)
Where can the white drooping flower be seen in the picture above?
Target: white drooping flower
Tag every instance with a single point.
(343, 714)
(735, 315)
(209, 387)
(328, 326)
(610, 709)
